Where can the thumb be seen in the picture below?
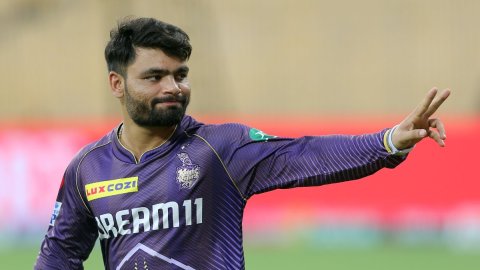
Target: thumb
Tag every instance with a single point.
(407, 138)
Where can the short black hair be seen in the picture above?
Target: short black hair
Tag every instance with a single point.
(144, 33)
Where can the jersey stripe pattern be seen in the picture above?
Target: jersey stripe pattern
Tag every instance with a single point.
(181, 205)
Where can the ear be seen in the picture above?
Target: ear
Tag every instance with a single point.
(117, 84)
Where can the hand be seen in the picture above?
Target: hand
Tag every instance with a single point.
(416, 126)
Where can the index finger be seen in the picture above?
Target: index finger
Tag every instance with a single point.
(423, 107)
(437, 102)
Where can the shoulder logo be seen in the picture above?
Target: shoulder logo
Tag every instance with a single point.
(258, 135)
(56, 211)
(188, 173)
(109, 188)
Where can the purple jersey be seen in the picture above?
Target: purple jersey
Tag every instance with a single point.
(181, 205)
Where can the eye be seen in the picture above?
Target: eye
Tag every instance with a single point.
(180, 77)
(153, 78)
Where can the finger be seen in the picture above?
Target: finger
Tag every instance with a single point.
(410, 138)
(437, 102)
(425, 104)
(436, 137)
(436, 123)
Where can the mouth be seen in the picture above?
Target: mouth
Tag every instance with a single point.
(168, 104)
(168, 101)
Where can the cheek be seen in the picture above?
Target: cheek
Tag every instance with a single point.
(185, 87)
(139, 92)
(136, 99)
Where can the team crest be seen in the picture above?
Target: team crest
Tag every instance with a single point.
(188, 173)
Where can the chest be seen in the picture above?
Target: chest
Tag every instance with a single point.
(181, 174)
(175, 189)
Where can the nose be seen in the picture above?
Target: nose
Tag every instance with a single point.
(171, 86)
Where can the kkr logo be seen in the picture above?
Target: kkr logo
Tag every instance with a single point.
(188, 173)
(111, 187)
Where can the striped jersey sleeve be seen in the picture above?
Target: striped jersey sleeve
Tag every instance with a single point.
(72, 230)
(258, 162)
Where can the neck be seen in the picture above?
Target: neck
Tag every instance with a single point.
(139, 140)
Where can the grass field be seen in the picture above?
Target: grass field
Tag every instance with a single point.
(304, 257)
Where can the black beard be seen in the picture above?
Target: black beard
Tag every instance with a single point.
(146, 115)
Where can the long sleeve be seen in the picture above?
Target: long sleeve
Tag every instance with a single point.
(259, 164)
(72, 230)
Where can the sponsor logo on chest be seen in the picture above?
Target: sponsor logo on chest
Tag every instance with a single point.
(155, 217)
(111, 188)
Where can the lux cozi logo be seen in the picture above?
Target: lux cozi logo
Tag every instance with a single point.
(111, 187)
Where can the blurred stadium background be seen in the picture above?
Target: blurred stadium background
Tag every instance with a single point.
(289, 68)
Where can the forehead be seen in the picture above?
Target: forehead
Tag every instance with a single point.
(146, 58)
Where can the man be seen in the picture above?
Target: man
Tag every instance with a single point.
(163, 191)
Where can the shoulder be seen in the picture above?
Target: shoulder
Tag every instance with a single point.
(98, 145)
(70, 183)
(218, 132)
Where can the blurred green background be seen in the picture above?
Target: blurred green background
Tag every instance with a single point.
(304, 256)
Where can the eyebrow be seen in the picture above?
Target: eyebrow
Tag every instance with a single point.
(164, 72)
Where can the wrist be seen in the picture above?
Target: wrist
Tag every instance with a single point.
(390, 146)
